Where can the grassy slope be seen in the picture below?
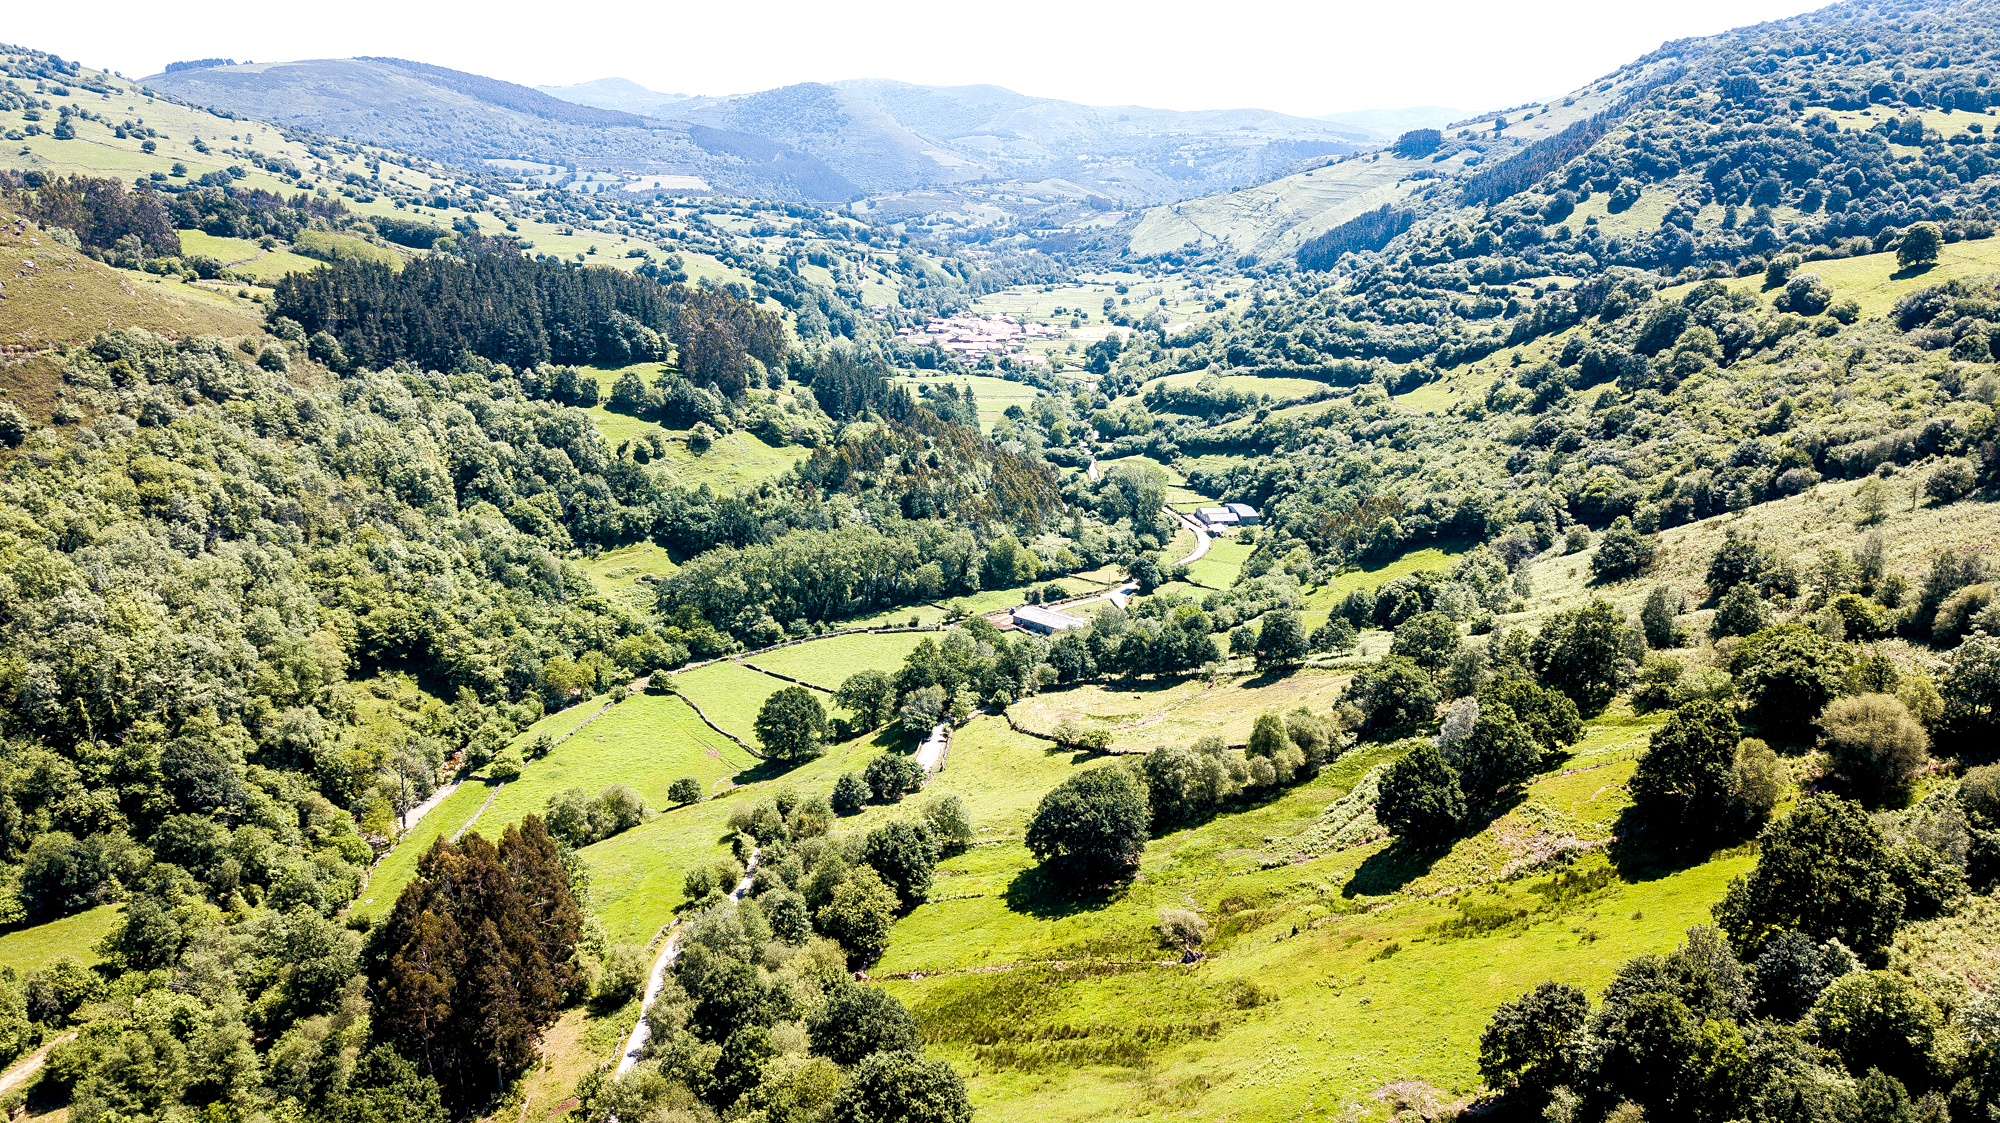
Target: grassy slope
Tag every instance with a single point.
(729, 693)
(993, 395)
(1301, 1003)
(827, 662)
(1178, 713)
(617, 573)
(1218, 568)
(396, 869)
(72, 937)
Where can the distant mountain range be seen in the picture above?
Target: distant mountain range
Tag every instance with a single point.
(811, 141)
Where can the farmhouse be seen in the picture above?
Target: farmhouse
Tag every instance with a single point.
(1246, 515)
(1046, 621)
(1216, 516)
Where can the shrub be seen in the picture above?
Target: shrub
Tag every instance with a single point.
(1793, 970)
(1822, 870)
(1873, 742)
(891, 776)
(685, 790)
(1281, 639)
(1092, 827)
(1919, 246)
(1395, 697)
(1548, 714)
(1427, 639)
(860, 914)
(1501, 751)
(858, 1021)
(1183, 929)
(1623, 552)
(1659, 619)
(1587, 653)
(622, 980)
(1951, 480)
(1787, 675)
(901, 1087)
(850, 794)
(1741, 612)
(950, 825)
(1806, 294)
(1077, 736)
(904, 855)
(1970, 689)
(1756, 780)
(1879, 1019)
(1527, 1041)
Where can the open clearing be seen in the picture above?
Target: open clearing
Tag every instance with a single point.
(828, 662)
(27, 950)
(1179, 713)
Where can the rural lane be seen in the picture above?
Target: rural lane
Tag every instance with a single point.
(642, 1031)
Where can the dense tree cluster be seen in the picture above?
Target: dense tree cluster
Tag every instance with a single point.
(1774, 1014)
(510, 309)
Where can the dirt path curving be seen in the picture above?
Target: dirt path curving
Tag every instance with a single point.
(642, 1030)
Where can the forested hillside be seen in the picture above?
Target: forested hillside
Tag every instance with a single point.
(500, 650)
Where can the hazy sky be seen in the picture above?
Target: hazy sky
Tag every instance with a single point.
(1301, 57)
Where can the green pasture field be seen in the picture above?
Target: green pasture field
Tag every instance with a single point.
(397, 867)
(1280, 389)
(1329, 976)
(729, 693)
(655, 740)
(1218, 568)
(735, 461)
(828, 662)
(1875, 281)
(617, 573)
(26, 950)
(1179, 712)
(240, 255)
(1333, 592)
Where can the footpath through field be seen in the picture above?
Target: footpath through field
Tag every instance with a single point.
(642, 1030)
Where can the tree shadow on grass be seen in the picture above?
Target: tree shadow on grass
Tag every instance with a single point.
(1035, 892)
(1642, 853)
(766, 770)
(1389, 870)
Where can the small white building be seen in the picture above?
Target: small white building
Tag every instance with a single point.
(1216, 516)
(1246, 515)
(1047, 621)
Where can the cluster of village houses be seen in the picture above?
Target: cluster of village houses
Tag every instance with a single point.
(974, 337)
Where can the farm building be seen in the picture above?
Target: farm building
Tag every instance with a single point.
(1246, 515)
(1047, 621)
(1216, 516)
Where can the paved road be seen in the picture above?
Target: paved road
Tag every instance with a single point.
(1201, 538)
(642, 1032)
(930, 754)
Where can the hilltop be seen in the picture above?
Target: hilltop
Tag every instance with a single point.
(828, 141)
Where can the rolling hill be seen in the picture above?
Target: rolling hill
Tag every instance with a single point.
(467, 119)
